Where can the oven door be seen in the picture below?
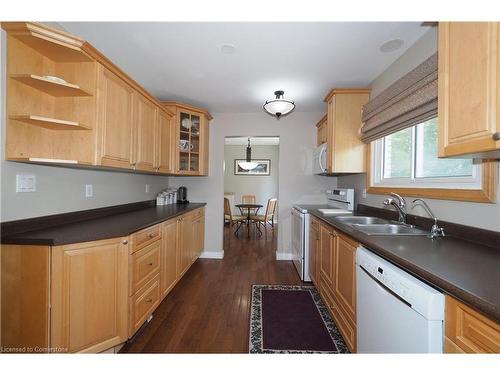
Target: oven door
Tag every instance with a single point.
(298, 240)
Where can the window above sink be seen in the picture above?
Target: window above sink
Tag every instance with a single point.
(407, 162)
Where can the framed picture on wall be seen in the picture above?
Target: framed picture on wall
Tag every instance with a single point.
(263, 168)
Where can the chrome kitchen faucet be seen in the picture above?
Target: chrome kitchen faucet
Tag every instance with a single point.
(436, 231)
(400, 205)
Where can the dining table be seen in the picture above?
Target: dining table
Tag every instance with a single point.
(248, 207)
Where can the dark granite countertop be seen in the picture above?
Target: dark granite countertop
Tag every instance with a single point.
(102, 227)
(465, 270)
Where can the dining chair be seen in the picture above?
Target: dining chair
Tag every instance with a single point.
(233, 219)
(268, 218)
(249, 199)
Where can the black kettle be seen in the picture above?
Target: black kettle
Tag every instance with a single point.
(182, 194)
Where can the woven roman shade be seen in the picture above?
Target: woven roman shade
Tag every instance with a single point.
(410, 100)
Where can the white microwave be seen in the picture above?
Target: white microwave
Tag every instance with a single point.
(319, 159)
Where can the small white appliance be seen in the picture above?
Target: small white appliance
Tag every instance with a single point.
(396, 313)
(319, 159)
(339, 201)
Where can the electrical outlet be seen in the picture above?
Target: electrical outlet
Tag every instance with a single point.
(147, 188)
(363, 194)
(89, 191)
(25, 183)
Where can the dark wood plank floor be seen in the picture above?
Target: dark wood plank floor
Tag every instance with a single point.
(208, 310)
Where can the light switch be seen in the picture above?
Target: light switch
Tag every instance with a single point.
(147, 188)
(25, 183)
(89, 191)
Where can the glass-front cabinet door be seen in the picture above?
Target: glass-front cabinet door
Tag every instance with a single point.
(189, 142)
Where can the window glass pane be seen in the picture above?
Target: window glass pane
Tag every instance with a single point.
(427, 162)
(397, 154)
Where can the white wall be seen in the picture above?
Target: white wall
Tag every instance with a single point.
(263, 187)
(63, 189)
(483, 215)
(296, 181)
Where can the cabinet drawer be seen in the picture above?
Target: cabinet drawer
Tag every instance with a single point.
(327, 296)
(198, 212)
(145, 265)
(143, 303)
(314, 223)
(470, 331)
(144, 237)
(347, 330)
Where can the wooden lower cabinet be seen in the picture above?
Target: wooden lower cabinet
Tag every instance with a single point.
(185, 240)
(198, 233)
(328, 247)
(467, 331)
(335, 262)
(89, 284)
(158, 266)
(145, 264)
(314, 246)
(143, 303)
(25, 271)
(168, 258)
(345, 275)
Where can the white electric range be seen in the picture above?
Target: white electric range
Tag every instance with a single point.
(339, 202)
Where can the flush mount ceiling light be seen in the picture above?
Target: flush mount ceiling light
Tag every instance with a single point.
(391, 45)
(248, 164)
(279, 107)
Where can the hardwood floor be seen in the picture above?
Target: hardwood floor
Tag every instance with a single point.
(208, 310)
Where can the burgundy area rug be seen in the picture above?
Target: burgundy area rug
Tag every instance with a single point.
(291, 319)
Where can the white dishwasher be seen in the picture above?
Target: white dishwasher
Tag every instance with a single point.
(396, 313)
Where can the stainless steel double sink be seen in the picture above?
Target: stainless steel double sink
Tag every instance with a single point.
(376, 226)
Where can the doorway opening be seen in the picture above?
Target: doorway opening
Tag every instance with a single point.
(251, 185)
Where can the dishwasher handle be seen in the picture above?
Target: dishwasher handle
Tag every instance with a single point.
(385, 288)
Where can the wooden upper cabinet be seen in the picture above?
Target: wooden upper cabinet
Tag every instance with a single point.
(92, 113)
(89, 295)
(469, 81)
(48, 120)
(322, 131)
(345, 151)
(165, 136)
(115, 100)
(190, 144)
(146, 116)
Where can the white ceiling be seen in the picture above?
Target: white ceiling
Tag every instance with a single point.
(254, 141)
(183, 60)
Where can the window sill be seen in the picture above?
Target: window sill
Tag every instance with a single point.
(487, 194)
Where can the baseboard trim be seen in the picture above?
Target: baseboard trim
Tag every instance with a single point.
(284, 256)
(212, 254)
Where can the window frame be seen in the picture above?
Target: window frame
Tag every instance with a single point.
(480, 188)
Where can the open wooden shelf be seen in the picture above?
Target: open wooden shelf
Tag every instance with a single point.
(49, 86)
(50, 123)
(56, 45)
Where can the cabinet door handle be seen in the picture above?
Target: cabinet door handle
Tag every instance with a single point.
(496, 136)
(151, 235)
(124, 242)
(149, 300)
(150, 263)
